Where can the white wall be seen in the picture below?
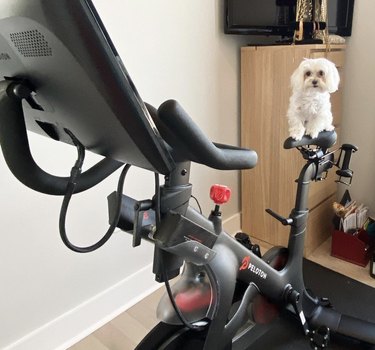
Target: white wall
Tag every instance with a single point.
(359, 102)
(172, 49)
(177, 49)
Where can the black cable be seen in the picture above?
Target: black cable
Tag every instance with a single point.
(157, 200)
(199, 206)
(164, 271)
(175, 307)
(74, 176)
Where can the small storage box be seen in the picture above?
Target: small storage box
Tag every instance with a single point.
(355, 248)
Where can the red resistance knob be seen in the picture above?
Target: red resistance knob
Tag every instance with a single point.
(220, 194)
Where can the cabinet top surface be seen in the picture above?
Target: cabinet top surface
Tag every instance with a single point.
(305, 47)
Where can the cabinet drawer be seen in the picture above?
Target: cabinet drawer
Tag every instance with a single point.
(319, 225)
(337, 57)
(336, 101)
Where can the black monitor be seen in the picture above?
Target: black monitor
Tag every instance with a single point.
(277, 17)
(61, 48)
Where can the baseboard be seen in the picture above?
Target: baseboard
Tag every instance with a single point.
(233, 224)
(76, 324)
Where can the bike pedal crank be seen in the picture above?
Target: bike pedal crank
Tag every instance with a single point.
(319, 338)
(294, 299)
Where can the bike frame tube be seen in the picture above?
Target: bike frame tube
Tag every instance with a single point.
(297, 233)
(233, 262)
(249, 268)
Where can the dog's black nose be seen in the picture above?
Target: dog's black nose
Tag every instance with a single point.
(315, 82)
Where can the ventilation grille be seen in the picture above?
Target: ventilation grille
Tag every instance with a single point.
(31, 43)
(4, 56)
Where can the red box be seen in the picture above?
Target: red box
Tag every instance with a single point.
(355, 248)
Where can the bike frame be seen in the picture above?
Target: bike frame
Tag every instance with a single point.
(227, 261)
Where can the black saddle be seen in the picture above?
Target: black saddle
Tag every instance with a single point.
(325, 139)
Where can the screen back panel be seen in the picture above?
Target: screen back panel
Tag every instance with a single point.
(62, 49)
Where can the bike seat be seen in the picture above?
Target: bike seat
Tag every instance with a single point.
(325, 139)
(188, 142)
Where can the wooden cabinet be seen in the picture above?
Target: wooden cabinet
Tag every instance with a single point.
(265, 92)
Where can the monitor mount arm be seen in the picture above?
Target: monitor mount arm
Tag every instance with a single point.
(15, 146)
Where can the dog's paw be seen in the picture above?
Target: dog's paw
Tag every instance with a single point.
(313, 132)
(296, 133)
(329, 128)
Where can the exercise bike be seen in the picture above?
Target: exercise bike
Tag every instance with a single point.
(208, 308)
(224, 280)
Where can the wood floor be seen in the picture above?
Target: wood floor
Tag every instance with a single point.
(126, 330)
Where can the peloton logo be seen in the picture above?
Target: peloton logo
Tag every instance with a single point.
(247, 265)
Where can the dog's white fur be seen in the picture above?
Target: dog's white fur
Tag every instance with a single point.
(309, 106)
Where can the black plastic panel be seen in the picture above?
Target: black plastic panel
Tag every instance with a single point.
(63, 50)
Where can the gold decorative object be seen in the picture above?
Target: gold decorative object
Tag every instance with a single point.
(313, 12)
(304, 13)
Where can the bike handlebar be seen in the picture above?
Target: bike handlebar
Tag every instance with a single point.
(16, 150)
(190, 143)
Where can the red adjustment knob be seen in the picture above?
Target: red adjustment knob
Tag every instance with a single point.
(220, 194)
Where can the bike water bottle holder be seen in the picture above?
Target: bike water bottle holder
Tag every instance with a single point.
(316, 150)
(325, 160)
(344, 171)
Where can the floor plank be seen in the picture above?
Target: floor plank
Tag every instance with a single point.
(322, 256)
(145, 311)
(90, 342)
(130, 327)
(113, 338)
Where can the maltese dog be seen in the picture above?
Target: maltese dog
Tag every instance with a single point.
(309, 106)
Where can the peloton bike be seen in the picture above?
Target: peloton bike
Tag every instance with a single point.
(62, 78)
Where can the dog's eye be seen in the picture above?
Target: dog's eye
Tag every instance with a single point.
(321, 73)
(308, 74)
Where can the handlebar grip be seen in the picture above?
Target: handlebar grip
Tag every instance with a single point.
(344, 170)
(16, 151)
(189, 142)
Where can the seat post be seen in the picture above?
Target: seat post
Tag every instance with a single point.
(299, 216)
(303, 183)
(176, 191)
(179, 176)
(174, 196)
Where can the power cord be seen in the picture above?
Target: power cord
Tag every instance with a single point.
(74, 177)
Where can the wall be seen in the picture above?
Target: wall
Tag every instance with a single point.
(359, 102)
(48, 294)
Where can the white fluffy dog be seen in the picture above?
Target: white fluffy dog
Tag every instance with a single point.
(309, 106)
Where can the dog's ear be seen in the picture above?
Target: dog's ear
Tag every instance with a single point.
(333, 77)
(296, 80)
